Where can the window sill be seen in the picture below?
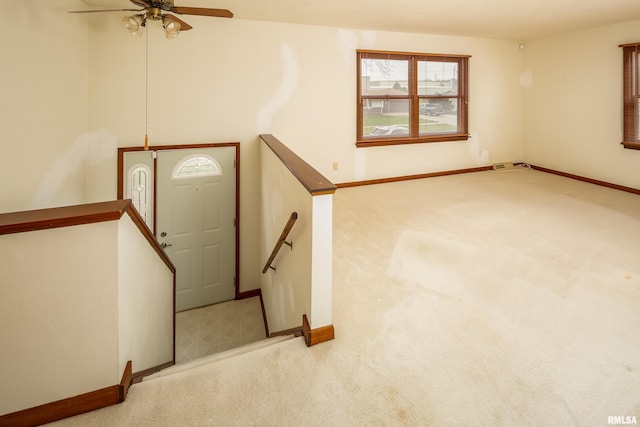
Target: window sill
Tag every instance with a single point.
(380, 142)
(631, 145)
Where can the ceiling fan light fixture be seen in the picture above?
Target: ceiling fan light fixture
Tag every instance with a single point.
(171, 27)
(134, 24)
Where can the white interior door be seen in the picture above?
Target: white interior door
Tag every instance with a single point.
(196, 212)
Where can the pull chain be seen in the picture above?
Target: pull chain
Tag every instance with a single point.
(146, 91)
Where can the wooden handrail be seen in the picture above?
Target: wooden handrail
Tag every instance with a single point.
(281, 241)
(43, 219)
(312, 180)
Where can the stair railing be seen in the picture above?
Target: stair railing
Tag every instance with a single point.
(282, 240)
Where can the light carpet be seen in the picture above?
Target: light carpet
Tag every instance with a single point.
(505, 298)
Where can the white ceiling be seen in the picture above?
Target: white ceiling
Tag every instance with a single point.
(506, 19)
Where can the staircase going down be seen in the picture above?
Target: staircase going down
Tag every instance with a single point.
(182, 367)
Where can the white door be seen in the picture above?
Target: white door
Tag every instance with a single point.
(196, 212)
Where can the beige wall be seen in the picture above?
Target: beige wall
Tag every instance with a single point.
(573, 104)
(77, 89)
(302, 283)
(286, 292)
(57, 342)
(70, 326)
(78, 85)
(145, 301)
(228, 80)
(44, 111)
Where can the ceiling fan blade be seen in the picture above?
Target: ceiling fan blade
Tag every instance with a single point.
(106, 10)
(183, 25)
(203, 11)
(141, 3)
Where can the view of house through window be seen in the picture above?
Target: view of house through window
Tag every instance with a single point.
(407, 98)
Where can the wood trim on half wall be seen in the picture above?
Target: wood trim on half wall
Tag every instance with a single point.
(311, 336)
(318, 335)
(72, 406)
(138, 376)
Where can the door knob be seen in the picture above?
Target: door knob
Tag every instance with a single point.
(165, 245)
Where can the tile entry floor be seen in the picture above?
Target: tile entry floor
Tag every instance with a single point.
(219, 327)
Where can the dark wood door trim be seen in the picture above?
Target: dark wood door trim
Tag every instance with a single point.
(120, 189)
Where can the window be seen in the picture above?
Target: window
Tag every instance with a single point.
(197, 166)
(139, 190)
(406, 98)
(631, 96)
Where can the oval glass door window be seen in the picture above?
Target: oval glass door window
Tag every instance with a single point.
(139, 190)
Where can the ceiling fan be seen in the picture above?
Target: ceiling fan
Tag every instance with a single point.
(156, 10)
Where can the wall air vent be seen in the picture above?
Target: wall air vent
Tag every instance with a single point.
(502, 166)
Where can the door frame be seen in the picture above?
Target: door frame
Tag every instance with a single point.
(120, 184)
